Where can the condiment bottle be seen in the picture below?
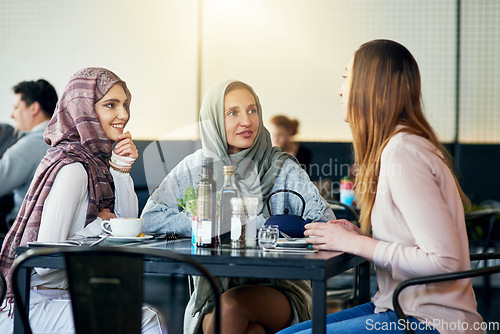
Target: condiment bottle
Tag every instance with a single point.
(251, 204)
(206, 233)
(228, 192)
(238, 223)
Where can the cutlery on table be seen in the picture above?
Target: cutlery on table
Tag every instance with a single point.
(287, 237)
(100, 240)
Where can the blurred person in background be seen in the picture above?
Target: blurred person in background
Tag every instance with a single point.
(34, 104)
(282, 131)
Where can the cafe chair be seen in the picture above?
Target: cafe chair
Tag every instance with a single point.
(106, 284)
(486, 215)
(484, 271)
(344, 211)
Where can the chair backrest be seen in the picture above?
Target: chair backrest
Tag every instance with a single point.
(442, 278)
(106, 285)
(347, 212)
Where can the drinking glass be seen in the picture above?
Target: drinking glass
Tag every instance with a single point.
(268, 236)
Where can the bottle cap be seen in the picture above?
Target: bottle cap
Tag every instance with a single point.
(207, 162)
(230, 169)
(252, 204)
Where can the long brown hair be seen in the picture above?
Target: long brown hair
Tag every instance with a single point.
(385, 92)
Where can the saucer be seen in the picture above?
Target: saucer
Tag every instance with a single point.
(297, 243)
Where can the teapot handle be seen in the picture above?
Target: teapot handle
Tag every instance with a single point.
(287, 191)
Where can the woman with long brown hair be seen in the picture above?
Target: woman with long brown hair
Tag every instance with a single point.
(412, 208)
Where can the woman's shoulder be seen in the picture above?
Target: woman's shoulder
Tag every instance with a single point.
(74, 167)
(290, 166)
(406, 147)
(73, 172)
(410, 142)
(192, 158)
(291, 172)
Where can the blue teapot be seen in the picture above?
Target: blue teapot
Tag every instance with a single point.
(292, 225)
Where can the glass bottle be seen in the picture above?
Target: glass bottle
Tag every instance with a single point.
(228, 192)
(238, 223)
(206, 233)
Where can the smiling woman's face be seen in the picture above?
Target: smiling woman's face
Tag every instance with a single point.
(112, 111)
(241, 119)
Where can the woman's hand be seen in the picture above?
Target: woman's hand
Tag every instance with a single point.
(125, 146)
(106, 214)
(338, 235)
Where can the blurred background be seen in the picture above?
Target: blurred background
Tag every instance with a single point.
(293, 52)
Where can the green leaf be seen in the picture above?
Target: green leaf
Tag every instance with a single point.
(189, 200)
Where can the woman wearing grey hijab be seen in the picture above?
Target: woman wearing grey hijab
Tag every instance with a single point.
(232, 133)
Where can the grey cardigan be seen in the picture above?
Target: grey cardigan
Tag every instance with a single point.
(161, 214)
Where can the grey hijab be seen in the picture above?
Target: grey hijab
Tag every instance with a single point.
(257, 166)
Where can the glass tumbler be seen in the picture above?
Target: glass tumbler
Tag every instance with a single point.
(268, 236)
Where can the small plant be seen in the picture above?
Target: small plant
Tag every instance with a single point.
(189, 200)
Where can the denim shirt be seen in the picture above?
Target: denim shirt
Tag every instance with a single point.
(161, 212)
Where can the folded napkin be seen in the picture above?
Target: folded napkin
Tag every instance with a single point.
(93, 229)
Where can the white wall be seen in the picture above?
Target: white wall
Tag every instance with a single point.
(292, 52)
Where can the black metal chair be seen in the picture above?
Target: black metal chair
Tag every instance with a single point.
(106, 285)
(485, 271)
(488, 215)
(345, 211)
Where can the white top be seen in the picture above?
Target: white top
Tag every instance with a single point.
(419, 219)
(65, 211)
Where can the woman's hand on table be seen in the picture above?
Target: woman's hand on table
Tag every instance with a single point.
(338, 235)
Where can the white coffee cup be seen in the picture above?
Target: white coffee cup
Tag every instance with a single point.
(122, 227)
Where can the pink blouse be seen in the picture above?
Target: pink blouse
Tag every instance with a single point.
(419, 219)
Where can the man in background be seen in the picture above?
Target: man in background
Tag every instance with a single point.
(34, 105)
(7, 138)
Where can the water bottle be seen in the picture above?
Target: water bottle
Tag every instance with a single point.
(228, 192)
(206, 234)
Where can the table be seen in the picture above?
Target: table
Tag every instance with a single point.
(255, 263)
